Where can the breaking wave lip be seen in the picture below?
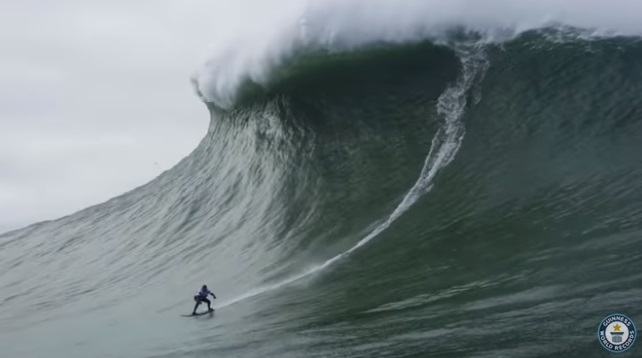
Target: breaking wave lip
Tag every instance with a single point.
(347, 25)
(445, 144)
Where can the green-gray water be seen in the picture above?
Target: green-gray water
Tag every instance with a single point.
(413, 200)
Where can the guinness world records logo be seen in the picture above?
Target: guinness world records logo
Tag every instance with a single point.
(616, 333)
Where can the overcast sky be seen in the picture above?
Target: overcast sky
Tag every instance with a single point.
(95, 99)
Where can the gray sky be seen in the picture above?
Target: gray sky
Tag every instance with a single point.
(95, 100)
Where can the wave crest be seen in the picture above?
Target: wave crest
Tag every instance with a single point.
(340, 26)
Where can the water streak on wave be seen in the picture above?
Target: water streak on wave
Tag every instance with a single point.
(451, 106)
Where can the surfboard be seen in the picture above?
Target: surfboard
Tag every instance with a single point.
(198, 313)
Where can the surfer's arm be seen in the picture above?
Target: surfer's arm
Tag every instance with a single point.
(212, 293)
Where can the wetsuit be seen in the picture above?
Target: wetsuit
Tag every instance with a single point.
(201, 296)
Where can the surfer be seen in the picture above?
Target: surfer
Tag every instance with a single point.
(201, 296)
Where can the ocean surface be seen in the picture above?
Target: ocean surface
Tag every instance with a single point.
(442, 196)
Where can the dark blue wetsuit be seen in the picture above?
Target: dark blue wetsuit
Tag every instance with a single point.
(201, 296)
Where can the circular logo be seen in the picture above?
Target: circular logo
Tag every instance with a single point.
(616, 333)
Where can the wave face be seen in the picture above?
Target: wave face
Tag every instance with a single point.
(429, 198)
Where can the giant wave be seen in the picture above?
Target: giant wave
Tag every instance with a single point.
(462, 188)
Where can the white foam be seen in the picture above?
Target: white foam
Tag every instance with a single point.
(251, 37)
